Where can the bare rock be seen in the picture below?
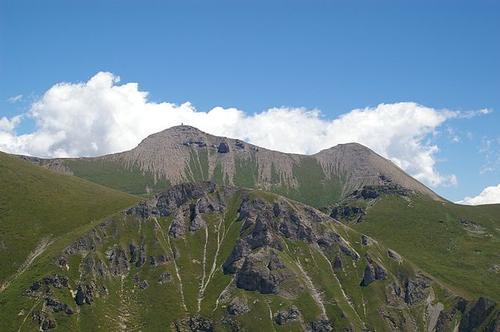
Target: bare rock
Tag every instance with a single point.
(394, 255)
(223, 147)
(477, 314)
(158, 260)
(261, 271)
(373, 271)
(337, 263)
(57, 305)
(238, 306)
(141, 283)
(194, 323)
(285, 316)
(86, 293)
(118, 261)
(321, 325)
(164, 278)
(44, 320)
(417, 289)
(178, 227)
(137, 254)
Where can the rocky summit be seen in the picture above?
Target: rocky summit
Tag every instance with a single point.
(193, 232)
(185, 154)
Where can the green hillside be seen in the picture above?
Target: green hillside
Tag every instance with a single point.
(38, 207)
(459, 245)
(201, 257)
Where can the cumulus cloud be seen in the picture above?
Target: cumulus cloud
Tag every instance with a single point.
(103, 116)
(490, 195)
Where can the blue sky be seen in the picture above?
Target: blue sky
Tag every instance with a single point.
(333, 56)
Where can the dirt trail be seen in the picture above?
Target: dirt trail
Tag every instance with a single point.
(314, 292)
(39, 249)
(348, 300)
(166, 239)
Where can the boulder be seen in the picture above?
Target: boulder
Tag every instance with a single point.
(158, 260)
(238, 306)
(164, 278)
(141, 283)
(321, 325)
(223, 147)
(86, 293)
(373, 271)
(43, 319)
(394, 255)
(337, 263)
(57, 305)
(285, 316)
(194, 323)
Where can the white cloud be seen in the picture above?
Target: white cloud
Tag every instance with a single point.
(490, 195)
(15, 99)
(102, 116)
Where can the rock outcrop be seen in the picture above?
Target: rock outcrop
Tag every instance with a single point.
(290, 314)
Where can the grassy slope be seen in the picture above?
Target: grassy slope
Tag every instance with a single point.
(115, 175)
(127, 307)
(37, 204)
(313, 187)
(430, 234)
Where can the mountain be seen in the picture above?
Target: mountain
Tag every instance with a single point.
(203, 257)
(340, 240)
(186, 154)
(39, 207)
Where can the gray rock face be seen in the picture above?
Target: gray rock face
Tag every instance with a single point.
(285, 316)
(197, 221)
(417, 289)
(163, 204)
(347, 213)
(44, 320)
(373, 271)
(58, 306)
(42, 287)
(223, 147)
(118, 261)
(137, 254)
(262, 271)
(477, 314)
(238, 306)
(85, 293)
(158, 260)
(178, 227)
(195, 323)
(93, 267)
(322, 325)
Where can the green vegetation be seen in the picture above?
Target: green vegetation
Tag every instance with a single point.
(247, 173)
(37, 206)
(313, 186)
(198, 165)
(457, 244)
(115, 175)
